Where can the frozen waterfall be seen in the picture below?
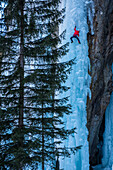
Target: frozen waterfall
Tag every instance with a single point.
(79, 81)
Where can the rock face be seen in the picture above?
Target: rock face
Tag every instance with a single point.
(101, 58)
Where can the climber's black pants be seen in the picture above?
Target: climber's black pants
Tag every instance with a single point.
(75, 36)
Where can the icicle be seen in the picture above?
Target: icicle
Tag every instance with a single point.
(90, 12)
(57, 164)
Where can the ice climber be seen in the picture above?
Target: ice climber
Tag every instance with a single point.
(75, 35)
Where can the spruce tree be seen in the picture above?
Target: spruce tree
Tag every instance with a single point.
(32, 80)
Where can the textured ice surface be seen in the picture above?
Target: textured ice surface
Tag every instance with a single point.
(79, 81)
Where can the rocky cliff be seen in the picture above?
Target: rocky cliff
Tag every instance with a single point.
(101, 58)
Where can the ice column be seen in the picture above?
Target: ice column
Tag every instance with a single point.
(107, 161)
(79, 81)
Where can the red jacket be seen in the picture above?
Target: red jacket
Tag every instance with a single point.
(76, 32)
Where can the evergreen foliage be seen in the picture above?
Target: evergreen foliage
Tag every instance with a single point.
(31, 83)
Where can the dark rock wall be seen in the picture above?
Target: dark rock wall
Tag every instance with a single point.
(101, 58)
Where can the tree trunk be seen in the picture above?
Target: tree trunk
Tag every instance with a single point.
(42, 138)
(53, 106)
(21, 100)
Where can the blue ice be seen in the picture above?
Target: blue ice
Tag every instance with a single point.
(79, 81)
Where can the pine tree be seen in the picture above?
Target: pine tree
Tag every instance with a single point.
(31, 81)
